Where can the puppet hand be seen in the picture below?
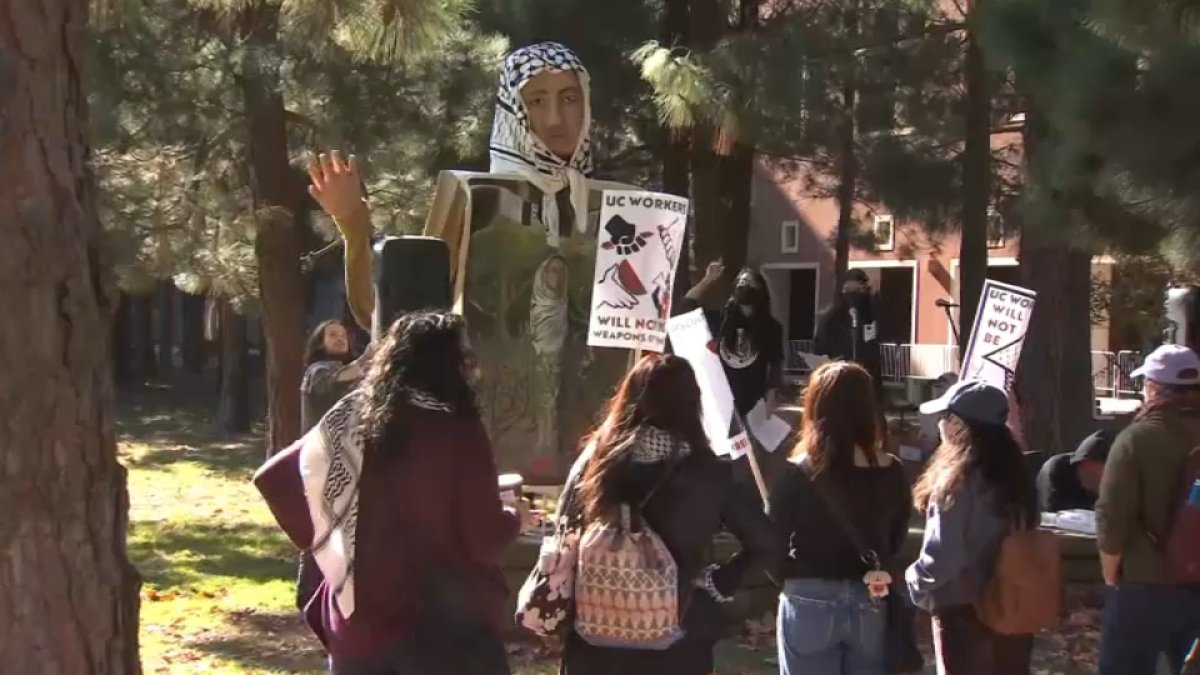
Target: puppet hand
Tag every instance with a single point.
(337, 188)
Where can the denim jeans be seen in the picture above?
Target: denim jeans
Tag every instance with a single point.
(1142, 621)
(830, 628)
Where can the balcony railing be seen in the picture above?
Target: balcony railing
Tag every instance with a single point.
(1110, 370)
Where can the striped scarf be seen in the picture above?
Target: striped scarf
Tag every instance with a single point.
(331, 461)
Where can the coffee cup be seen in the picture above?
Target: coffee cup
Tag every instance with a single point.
(510, 485)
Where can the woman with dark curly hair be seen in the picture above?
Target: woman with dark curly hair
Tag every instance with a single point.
(409, 529)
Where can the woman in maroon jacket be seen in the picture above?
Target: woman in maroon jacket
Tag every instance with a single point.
(409, 527)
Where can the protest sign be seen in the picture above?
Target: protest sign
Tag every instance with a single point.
(770, 431)
(998, 335)
(640, 237)
(691, 340)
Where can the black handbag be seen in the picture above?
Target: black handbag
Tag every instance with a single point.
(900, 651)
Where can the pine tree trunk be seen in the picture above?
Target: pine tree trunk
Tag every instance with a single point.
(847, 188)
(191, 332)
(1054, 380)
(233, 411)
(706, 24)
(976, 190)
(145, 358)
(121, 336)
(847, 154)
(68, 595)
(278, 245)
(166, 326)
(676, 178)
(735, 176)
(736, 171)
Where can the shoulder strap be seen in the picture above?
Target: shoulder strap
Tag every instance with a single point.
(868, 554)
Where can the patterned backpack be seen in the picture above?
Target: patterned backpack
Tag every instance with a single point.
(627, 584)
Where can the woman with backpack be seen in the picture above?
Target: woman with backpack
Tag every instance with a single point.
(650, 461)
(409, 530)
(975, 492)
(843, 510)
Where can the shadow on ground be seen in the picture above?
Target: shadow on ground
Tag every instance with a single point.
(267, 641)
(177, 420)
(176, 554)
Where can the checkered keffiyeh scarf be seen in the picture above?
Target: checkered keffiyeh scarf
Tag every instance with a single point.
(331, 461)
(516, 149)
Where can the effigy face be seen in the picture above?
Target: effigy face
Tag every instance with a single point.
(527, 305)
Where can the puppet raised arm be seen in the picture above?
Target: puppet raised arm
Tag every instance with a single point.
(338, 189)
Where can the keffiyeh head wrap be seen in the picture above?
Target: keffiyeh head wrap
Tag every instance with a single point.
(515, 148)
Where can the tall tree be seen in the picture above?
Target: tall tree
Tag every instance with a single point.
(846, 145)
(1069, 79)
(68, 595)
(256, 83)
(277, 196)
(977, 180)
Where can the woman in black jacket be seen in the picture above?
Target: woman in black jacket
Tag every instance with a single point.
(653, 426)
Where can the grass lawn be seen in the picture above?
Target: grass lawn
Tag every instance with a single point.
(218, 576)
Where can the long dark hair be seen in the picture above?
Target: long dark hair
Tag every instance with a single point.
(424, 353)
(758, 297)
(659, 391)
(840, 416)
(314, 349)
(970, 448)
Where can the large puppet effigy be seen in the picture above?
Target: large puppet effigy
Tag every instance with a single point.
(523, 241)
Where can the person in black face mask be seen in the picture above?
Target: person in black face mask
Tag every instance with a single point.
(748, 339)
(847, 331)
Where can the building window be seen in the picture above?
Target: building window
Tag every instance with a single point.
(885, 233)
(996, 236)
(789, 236)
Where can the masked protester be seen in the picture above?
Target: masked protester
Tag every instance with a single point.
(748, 339)
(847, 330)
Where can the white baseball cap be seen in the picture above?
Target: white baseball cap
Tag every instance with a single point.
(1172, 365)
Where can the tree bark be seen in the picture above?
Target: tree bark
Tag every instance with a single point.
(1054, 380)
(735, 175)
(847, 189)
(233, 411)
(976, 190)
(166, 325)
(278, 243)
(68, 595)
(191, 332)
(676, 179)
(706, 24)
